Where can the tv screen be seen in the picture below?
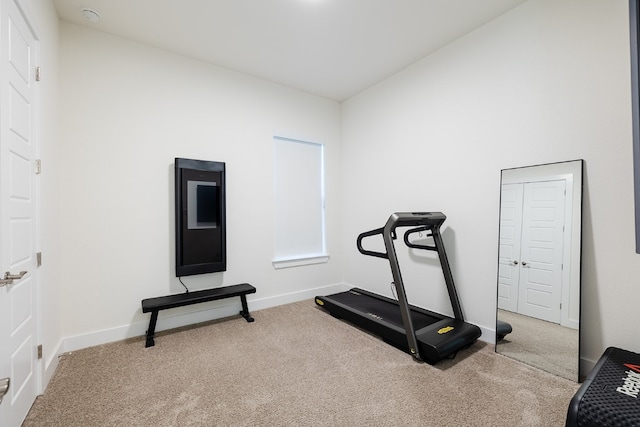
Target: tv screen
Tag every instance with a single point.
(203, 204)
(200, 216)
(207, 205)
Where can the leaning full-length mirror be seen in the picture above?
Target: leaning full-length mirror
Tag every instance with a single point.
(538, 319)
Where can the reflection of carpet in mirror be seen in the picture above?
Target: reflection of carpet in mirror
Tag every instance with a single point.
(545, 345)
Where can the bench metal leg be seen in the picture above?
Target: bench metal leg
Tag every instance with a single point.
(152, 329)
(245, 309)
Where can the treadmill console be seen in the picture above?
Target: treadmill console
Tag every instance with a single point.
(409, 219)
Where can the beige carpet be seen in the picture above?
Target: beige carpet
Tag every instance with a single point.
(295, 365)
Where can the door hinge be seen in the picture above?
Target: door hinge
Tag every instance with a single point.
(39, 259)
(40, 351)
(38, 74)
(38, 167)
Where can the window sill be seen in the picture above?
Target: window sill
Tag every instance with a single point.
(297, 262)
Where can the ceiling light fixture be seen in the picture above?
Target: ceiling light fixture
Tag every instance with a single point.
(90, 15)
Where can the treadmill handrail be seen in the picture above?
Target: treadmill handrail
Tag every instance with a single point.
(415, 245)
(444, 262)
(366, 251)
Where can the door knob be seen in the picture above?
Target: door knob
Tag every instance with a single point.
(524, 264)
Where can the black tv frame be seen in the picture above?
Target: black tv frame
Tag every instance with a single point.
(207, 244)
(634, 20)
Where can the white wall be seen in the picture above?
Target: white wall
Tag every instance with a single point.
(547, 82)
(126, 111)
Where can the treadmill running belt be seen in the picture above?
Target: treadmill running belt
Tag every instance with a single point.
(384, 310)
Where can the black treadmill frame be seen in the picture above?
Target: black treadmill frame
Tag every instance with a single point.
(423, 222)
(426, 221)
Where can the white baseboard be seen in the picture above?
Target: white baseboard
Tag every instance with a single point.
(586, 366)
(196, 314)
(488, 335)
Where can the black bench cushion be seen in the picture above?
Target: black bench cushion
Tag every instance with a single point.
(188, 298)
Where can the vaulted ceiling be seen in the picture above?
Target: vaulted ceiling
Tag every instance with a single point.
(331, 48)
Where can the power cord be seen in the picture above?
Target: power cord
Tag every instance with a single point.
(185, 286)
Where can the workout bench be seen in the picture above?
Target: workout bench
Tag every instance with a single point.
(154, 305)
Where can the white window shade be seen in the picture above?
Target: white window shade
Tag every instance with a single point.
(299, 202)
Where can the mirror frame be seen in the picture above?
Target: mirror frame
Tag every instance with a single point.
(573, 170)
(634, 33)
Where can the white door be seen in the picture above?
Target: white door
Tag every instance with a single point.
(509, 252)
(540, 290)
(18, 314)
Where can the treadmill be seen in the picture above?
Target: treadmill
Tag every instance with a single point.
(426, 335)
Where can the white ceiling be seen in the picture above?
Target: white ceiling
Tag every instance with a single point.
(331, 48)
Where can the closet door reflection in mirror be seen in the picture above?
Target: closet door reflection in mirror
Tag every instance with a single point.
(538, 319)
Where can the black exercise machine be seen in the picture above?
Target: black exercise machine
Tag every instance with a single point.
(424, 334)
(610, 395)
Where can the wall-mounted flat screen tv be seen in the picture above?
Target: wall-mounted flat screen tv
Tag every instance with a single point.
(200, 217)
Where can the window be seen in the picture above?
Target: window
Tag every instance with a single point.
(299, 202)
